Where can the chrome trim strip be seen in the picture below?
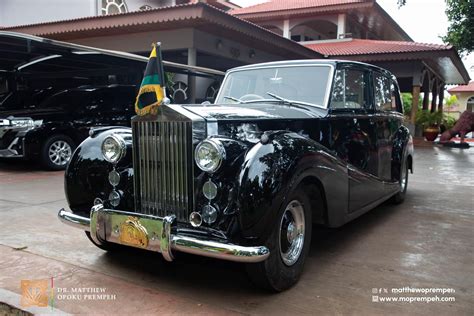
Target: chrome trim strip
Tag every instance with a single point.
(166, 242)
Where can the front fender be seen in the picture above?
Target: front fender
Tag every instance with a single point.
(271, 170)
(86, 176)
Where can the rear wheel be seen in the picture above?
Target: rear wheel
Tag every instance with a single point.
(289, 245)
(403, 184)
(57, 152)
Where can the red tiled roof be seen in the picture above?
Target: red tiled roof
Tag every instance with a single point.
(284, 5)
(369, 47)
(466, 88)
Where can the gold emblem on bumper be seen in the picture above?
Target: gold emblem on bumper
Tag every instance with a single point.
(133, 233)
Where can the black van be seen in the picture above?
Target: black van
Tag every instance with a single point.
(51, 130)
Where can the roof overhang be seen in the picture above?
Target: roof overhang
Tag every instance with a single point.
(368, 13)
(33, 55)
(446, 64)
(443, 60)
(198, 15)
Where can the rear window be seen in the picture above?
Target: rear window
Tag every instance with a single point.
(386, 93)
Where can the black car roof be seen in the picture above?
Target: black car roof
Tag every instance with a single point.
(309, 62)
(97, 88)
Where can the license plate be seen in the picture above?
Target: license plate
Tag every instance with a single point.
(133, 233)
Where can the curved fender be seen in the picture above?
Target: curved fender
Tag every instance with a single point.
(87, 173)
(271, 170)
(402, 147)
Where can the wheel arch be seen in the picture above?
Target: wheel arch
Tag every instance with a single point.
(272, 170)
(315, 191)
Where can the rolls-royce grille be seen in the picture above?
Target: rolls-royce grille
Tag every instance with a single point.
(163, 168)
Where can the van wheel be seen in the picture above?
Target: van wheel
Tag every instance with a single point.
(403, 184)
(57, 152)
(288, 244)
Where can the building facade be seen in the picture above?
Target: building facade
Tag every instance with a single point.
(465, 97)
(218, 34)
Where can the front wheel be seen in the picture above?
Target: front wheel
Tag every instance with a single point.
(289, 245)
(56, 152)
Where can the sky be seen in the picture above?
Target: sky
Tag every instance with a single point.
(424, 21)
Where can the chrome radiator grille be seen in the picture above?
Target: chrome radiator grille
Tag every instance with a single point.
(163, 168)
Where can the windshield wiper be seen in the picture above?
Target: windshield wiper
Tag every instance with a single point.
(297, 104)
(234, 99)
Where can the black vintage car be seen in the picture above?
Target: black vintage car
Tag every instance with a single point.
(286, 145)
(51, 130)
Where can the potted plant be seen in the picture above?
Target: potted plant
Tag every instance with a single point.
(430, 122)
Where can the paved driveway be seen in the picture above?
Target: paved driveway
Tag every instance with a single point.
(427, 242)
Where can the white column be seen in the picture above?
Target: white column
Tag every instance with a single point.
(286, 29)
(192, 60)
(341, 25)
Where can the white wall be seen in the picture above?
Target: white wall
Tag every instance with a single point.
(134, 5)
(20, 12)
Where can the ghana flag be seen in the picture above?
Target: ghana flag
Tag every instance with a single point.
(151, 92)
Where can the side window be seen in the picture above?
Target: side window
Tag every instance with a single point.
(396, 100)
(350, 90)
(384, 93)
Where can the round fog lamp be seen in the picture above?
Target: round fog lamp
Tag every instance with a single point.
(113, 148)
(209, 189)
(209, 155)
(209, 214)
(114, 178)
(114, 198)
(195, 219)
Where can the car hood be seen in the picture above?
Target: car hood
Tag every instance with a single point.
(255, 111)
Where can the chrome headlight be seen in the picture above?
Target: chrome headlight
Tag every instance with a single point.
(27, 122)
(113, 148)
(24, 123)
(209, 155)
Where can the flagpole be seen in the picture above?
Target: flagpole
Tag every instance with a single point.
(165, 100)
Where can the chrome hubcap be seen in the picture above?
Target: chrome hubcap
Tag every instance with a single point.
(60, 152)
(292, 232)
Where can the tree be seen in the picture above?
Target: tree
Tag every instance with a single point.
(450, 101)
(461, 24)
(461, 29)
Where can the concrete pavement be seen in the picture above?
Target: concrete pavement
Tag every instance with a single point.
(427, 242)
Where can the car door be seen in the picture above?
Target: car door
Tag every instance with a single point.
(388, 120)
(353, 134)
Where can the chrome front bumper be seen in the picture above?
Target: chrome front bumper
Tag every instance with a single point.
(154, 234)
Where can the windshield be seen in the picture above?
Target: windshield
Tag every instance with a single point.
(305, 84)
